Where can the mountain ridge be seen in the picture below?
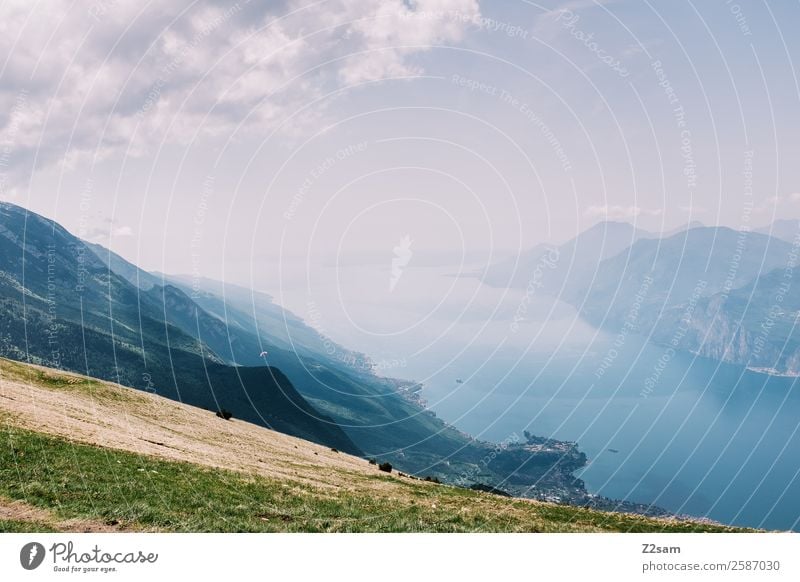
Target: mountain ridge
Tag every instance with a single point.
(64, 308)
(156, 337)
(180, 468)
(688, 289)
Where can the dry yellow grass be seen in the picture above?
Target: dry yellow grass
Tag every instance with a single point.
(101, 413)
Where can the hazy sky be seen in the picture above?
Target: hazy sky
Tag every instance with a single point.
(220, 137)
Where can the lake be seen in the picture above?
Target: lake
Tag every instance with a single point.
(684, 433)
(715, 441)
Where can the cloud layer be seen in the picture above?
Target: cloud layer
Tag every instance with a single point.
(87, 82)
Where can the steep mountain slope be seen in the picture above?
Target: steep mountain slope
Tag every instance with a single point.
(654, 275)
(238, 324)
(754, 326)
(156, 336)
(558, 268)
(785, 229)
(719, 293)
(78, 454)
(61, 306)
(708, 290)
(258, 314)
(378, 417)
(134, 275)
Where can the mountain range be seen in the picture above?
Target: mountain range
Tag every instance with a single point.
(85, 455)
(72, 305)
(725, 294)
(63, 308)
(75, 306)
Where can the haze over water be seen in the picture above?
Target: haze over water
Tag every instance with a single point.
(708, 439)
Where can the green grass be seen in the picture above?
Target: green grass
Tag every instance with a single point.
(144, 493)
(15, 526)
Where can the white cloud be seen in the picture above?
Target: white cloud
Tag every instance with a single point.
(794, 196)
(122, 231)
(397, 30)
(618, 212)
(113, 77)
(106, 230)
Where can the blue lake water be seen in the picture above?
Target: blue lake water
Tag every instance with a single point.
(706, 439)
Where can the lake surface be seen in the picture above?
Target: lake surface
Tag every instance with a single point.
(709, 440)
(684, 433)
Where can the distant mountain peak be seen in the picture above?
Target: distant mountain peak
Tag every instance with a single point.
(786, 229)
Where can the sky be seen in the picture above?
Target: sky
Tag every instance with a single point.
(233, 139)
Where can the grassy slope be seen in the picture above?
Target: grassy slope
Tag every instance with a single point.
(308, 488)
(18, 526)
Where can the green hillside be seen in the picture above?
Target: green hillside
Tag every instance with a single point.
(123, 460)
(61, 306)
(200, 342)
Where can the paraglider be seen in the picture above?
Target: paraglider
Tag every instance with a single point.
(263, 355)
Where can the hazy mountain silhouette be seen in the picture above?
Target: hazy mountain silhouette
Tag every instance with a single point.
(63, 307)
(706, 290)
(786, 229)
(78, 307)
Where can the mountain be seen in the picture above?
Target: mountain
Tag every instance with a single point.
(726, 295)
(134, 275)
(63, 307)
(754, 326)
(83, 455)
(636, 286)
(556, 269)
(200, 342)
(706, 290)
(673, 231)
(241, 311)
(256, 313)
(568, 263)
(379, 414)
(786, 229)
